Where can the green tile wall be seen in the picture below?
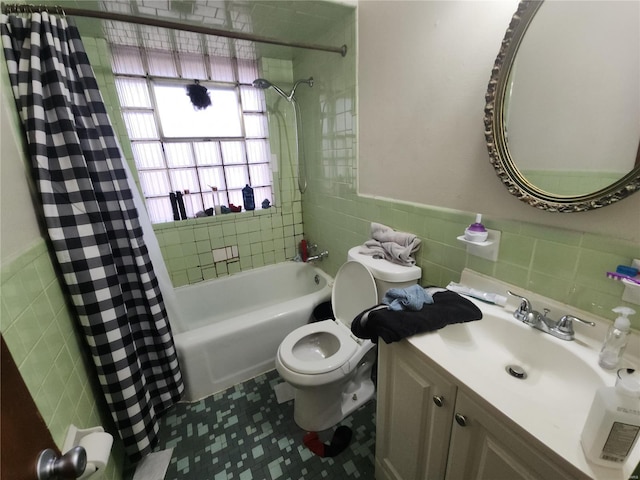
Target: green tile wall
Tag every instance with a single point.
(263, 237)
(39, 330)
(568, 266)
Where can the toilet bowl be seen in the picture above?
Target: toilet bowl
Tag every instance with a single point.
(329, 367)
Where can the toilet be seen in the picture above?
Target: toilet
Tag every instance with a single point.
(329, 367)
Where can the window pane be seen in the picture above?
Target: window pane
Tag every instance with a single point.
(133, 92)
(154, 183)
(180, 119)
(247, 71)
(218, 47)
(179, 154)
(258, 151)
(140, 125)
(235, 197)
(233, 153)
(148, 154)
(126, 60)
(155, 39)
(192, 204)
(261, 194)
(252, 99)
(237, 177)
(184, 179)
(246, 50)
(211, 177)
(192, 66)
(207, 153)
(120, 33)
(187, 43)
(208, 200)
(260, 174)
(222, 69)
(255, 125)
(161, 63)
(160, 209)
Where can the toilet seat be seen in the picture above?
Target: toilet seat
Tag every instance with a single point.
(303, 350)
(314, 366)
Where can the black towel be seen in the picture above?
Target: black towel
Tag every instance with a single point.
(447, 308)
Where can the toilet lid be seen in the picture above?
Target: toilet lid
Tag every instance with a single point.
(354, 290)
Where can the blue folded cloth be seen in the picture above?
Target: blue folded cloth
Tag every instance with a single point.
(412, 298)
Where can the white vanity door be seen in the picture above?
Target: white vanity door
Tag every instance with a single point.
(484, 448)
(414, 413)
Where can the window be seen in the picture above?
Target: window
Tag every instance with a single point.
(179, 148)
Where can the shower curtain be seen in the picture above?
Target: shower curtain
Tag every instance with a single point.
(93, 223)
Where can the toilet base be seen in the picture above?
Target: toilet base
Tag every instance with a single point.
(317, 409)
(314, 413)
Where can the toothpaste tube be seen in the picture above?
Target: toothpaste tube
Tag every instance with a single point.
(479, 294)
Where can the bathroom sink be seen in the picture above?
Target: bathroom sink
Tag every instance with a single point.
(524, 360)
(551, 402)
(559, 378)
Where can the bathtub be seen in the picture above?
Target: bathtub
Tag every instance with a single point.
(228, 329)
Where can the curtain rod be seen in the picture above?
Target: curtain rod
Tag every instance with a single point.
(154, 22)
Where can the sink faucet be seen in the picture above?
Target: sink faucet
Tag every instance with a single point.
(524, 312)
(562, 329)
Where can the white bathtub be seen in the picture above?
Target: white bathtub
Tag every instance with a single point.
(229, 329)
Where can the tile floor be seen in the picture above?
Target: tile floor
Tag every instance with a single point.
(243, 433)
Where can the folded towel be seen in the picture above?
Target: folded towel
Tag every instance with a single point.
(396, 247)
(410, 298)
(384, 234)
(447, 308)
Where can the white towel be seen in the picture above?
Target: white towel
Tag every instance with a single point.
(384, 234)
(396, 247)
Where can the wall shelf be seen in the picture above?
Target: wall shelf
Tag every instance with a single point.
(631, 292)
(487, 249)
(486, 243)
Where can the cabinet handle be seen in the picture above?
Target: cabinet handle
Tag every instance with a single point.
(461, 419)
(438, 400)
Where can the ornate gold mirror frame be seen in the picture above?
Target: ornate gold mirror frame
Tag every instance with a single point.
(495, 134)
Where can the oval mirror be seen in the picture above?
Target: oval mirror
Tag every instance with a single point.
(562, 118)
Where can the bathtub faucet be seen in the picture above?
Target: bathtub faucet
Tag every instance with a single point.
(320, 256)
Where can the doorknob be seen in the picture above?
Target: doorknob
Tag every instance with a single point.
(69, 466)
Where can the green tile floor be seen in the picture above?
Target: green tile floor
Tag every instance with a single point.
(243, 433)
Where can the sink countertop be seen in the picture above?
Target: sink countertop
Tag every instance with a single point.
(540, 404)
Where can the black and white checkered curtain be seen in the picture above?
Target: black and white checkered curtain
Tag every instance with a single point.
(93, 223)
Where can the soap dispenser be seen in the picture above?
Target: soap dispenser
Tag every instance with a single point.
(613, 423)
(476, 231)
(616, 339)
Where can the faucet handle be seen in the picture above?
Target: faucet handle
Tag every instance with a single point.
(565, 324)
(525, 306)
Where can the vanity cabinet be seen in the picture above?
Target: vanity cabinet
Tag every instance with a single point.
(415, 408)
(429, 428)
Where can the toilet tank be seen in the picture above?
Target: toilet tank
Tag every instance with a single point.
(386, 274)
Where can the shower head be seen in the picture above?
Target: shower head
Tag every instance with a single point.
(261, 83)
(266, 84)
